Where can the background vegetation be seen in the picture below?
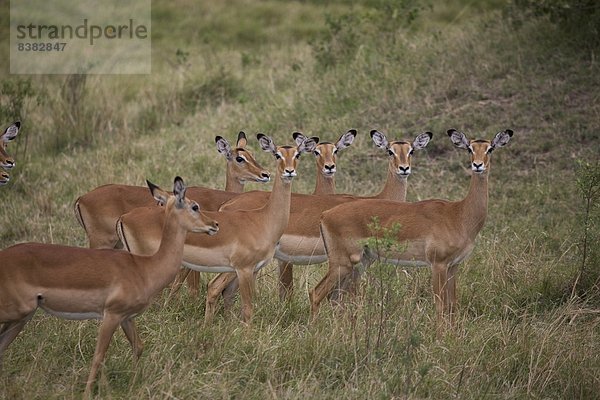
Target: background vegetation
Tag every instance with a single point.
(528, 324)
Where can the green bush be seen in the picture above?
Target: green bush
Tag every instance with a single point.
(578, 19)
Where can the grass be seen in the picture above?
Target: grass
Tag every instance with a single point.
(478, 67)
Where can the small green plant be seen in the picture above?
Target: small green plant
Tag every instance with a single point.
(384, 306)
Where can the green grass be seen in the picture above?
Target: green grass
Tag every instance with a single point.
(257, 66)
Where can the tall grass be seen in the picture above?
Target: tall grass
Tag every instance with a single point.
(478, 67)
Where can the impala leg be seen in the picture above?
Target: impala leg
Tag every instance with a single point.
(451, 293)
(176, 285)
(286, 280)
(215, 288)
(9, 331)
(131, 333)
(106, 331)
(193, 283)
(439, 281)
(348, 285)
(246, 280)
(337, 273)
(230, 291)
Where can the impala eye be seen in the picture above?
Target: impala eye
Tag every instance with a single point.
(335, 151)
(239, 159)
(411, 151)
(297, 155)
(391, 153)
(278, 156)
(196, 207)
(317, 153)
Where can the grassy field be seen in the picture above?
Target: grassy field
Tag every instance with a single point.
(524, 329)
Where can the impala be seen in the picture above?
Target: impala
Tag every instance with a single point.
(326, 161)
(301, 242)
(111, 285)
(435, 233)
(10, 133)
(246, 240)
(98, 210)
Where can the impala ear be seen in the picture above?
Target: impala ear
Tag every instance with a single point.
(379, 139)
(241, 140)
(422, 140)
(346, 139)
(159, 195)
(298, 138)
(501, 138)
(308, 145)
(266, 143)
(179, 189)
(459, 139)
(223, 147)
(11, 132)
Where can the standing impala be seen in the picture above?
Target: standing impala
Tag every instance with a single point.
(435, 233)
(6, 161)
(301, 242)
(98, 211)
(247, 238)
(111, 285)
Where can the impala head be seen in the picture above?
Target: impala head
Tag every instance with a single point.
(326, 152)
(188, 211)
(479, 149)
(400, 152)
(287, 156)
(4, 178)
(9, 134)
(240, 162)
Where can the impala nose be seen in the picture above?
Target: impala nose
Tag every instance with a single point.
(478, 167)
(265, 176)
(404, 170)
(9, 164)
(329, 169)
(213, 229)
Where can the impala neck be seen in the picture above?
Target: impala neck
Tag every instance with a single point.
(324, 185)
(232, 184)
(394, 188)
(167, 259)
(278, 207)
(474, 206)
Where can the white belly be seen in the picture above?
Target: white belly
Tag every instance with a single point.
(217, 269)
(405, 263)
(300, 259)
(71, 315)
(301, 250)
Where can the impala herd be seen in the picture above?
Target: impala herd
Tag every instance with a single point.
(235, 234)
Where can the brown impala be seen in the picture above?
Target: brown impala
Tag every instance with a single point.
(111, 285)
(435, 233)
